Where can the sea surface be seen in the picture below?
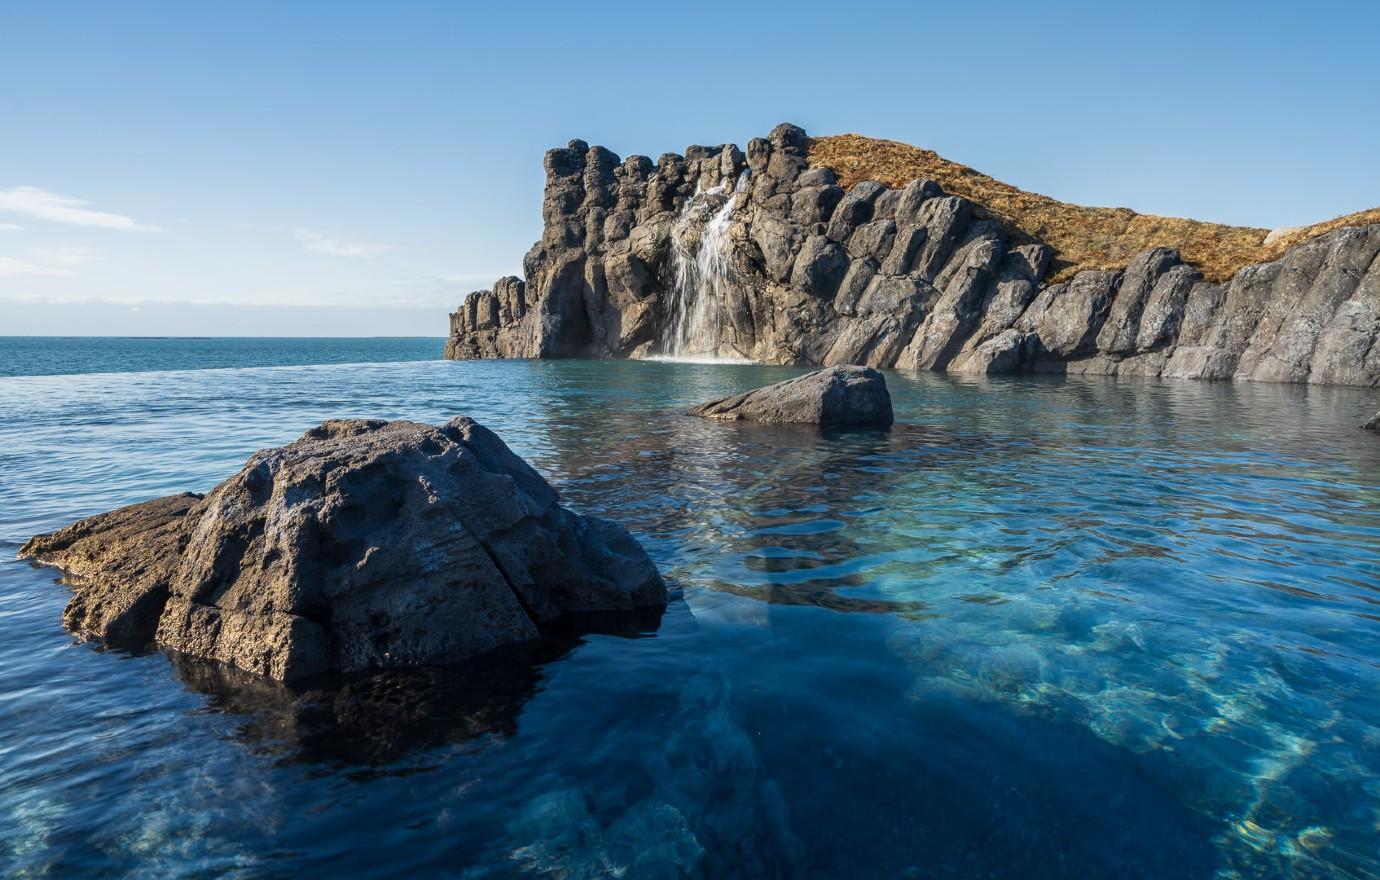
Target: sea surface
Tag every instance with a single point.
(60, 355)
(1043, 627)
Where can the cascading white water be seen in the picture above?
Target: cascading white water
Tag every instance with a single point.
(700, 280)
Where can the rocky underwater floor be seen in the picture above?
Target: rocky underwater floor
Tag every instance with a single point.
(1040, 627)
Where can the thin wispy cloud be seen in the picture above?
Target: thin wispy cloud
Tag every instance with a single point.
(31, 201)
(46, 262)
(11, 227)
(64, 256)
(340, 247)
(13, 267)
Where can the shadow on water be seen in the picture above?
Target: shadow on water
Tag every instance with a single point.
(943, 785)
(633, 764)
(626, 759)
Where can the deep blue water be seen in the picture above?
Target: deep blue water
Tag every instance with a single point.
(1043, 627)
(61, 355)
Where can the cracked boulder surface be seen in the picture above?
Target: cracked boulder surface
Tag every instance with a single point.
(838, 397)
(365, 544)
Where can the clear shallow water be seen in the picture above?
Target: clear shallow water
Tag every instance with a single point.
(63, 355)
(1041, 628)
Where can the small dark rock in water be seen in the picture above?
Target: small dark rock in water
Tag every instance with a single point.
(837, 397)
(364, 545)
(1373, 424)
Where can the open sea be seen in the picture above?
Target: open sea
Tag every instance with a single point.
(1043, 627)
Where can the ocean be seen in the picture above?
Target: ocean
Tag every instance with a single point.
(1042, 627)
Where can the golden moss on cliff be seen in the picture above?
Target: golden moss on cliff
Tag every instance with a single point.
(1082, 237)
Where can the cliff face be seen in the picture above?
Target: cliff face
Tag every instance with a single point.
(756, 255)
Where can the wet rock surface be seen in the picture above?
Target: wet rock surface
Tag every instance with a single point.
(363, 545)
(912, 278)
(837, 397)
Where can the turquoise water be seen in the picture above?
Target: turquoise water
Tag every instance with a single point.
(1043, 627)
(62, 355)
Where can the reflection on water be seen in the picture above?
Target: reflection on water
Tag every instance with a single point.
(377, 719)
(1041, 627)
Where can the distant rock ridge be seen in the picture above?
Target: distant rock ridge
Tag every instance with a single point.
(908, 277)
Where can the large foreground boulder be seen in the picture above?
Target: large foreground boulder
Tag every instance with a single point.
(365, 544)
(837, 397)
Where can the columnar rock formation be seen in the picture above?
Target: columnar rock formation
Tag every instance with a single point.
(910, 278)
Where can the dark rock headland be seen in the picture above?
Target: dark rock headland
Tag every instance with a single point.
(752, 253)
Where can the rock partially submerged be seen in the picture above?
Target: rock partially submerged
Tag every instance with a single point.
(365, 544)
(837, 397)
(1373, 424)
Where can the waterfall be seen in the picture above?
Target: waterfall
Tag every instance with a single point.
(700, 280)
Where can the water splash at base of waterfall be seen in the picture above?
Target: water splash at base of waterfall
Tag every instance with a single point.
(697, 359)
(701, 279)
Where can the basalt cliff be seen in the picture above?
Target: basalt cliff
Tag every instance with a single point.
(764, 254)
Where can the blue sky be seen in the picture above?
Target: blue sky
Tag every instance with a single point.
(354, 169)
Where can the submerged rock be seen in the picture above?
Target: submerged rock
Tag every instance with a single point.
(363, 545)
(836, 397)
(700, 804)
(1373, 424)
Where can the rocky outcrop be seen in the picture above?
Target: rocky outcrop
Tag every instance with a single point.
(1373, 424)
(909, 277)
(363, 545)
(838, 397)
(123, 562)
